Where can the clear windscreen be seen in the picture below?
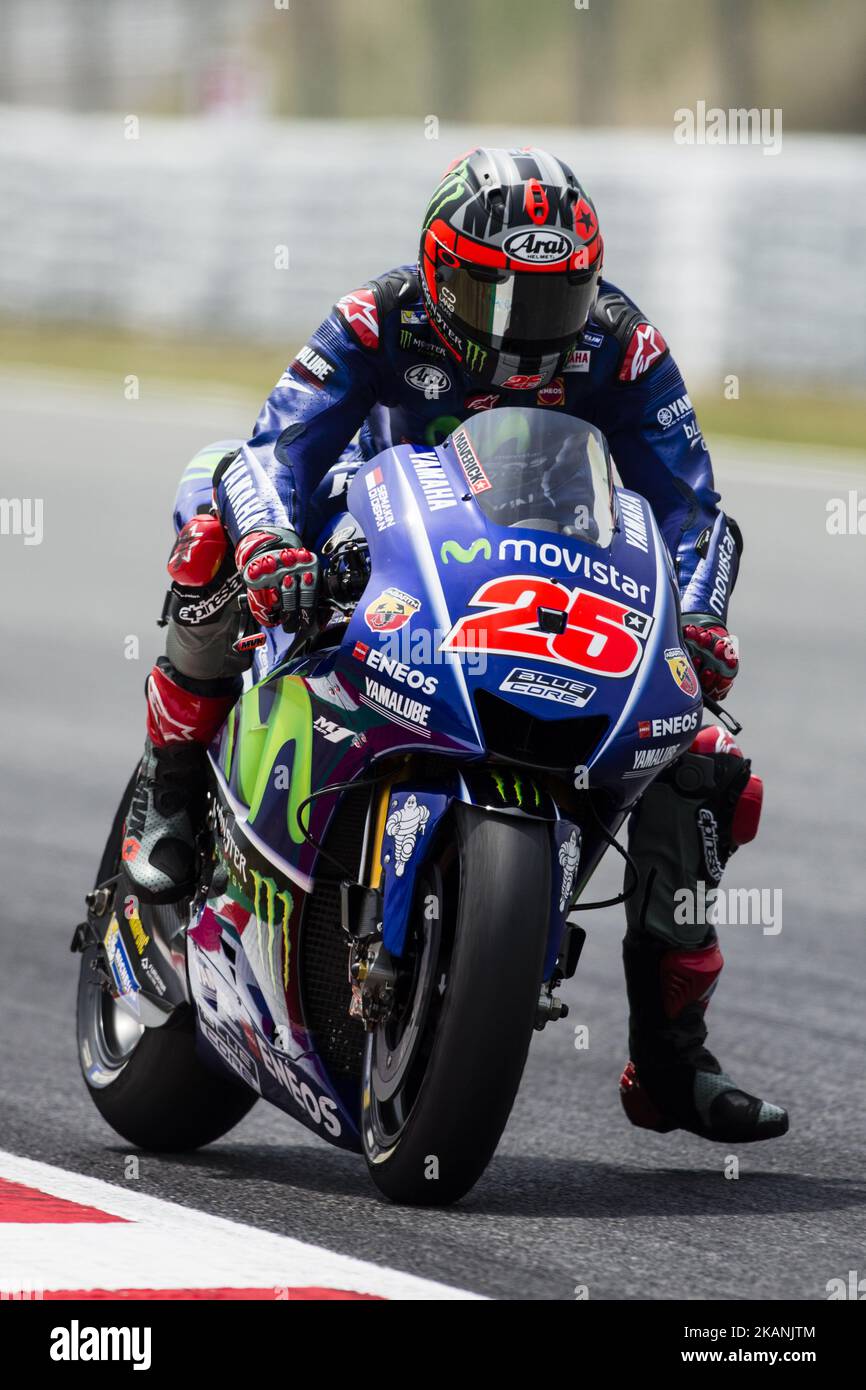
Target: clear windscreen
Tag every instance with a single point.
(540, 470)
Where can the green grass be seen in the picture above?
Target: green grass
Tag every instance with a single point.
(760, 413)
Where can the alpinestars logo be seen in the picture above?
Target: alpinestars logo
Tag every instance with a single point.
(164, 719)
(203, 609)
(709, 829)
(646, 347)
(360, 313)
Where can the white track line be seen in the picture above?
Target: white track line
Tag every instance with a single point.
(167, 1246)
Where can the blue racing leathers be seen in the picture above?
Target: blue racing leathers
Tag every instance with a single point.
(377, 369)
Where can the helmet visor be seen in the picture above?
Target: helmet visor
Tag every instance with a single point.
(529, 312)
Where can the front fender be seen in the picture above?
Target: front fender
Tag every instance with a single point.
(414, 814)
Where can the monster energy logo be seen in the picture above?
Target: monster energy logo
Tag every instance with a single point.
(452, 187)
(475, 356)
(519, 787)
(407, 339)
(265, 895)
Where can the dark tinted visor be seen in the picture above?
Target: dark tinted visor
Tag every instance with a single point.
(529, 312)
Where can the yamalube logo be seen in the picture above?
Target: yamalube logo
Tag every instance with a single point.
(538, 246)
(431, 380)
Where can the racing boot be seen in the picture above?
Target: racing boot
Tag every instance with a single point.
(672, 1081)
(168, 800)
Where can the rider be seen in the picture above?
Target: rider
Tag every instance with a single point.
(506, 306)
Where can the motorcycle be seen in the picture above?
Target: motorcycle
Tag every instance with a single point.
(405, 806)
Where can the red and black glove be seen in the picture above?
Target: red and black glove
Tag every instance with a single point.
(713, 653)
(281, 576)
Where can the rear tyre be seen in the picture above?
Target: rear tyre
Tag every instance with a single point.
(148, 1083)
(441, 1075)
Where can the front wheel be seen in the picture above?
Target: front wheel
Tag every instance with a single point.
(442, 1072)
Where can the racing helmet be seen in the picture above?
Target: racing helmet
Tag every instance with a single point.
(509, 264)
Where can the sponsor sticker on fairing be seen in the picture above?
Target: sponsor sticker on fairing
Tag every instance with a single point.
(379, 660)
(321, 1109)
(391, 610)
(380, 503)
(400, 708)
(634, 522)
(681, 669)
(334, 733)
(647, 759)
(665, 728)
(541, 685)
(230, 1050)
(120, 964)
(469, 462)
(433, 481)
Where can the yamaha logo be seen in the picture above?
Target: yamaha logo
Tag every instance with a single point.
(538, 246)
(431, 380)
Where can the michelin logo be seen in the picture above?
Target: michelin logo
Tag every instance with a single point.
(404, 827)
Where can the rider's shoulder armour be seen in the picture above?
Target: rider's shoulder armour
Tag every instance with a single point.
(641, 346)
(365, 310)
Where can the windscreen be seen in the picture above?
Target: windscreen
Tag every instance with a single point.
(540, 470)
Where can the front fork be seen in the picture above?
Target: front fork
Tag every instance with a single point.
(403, 820)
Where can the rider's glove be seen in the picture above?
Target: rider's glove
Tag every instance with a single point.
(713, 653)
(281, 576)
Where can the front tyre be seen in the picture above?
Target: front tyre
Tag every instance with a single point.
(441, 1074)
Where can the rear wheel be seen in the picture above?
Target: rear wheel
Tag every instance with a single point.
(441, 1074)
(148, 1083)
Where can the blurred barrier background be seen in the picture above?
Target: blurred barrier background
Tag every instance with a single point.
(200, 182)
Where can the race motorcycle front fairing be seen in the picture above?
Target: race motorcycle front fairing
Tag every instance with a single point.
(498, 676)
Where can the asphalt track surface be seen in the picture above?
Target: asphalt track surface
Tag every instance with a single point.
(575, 1196)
